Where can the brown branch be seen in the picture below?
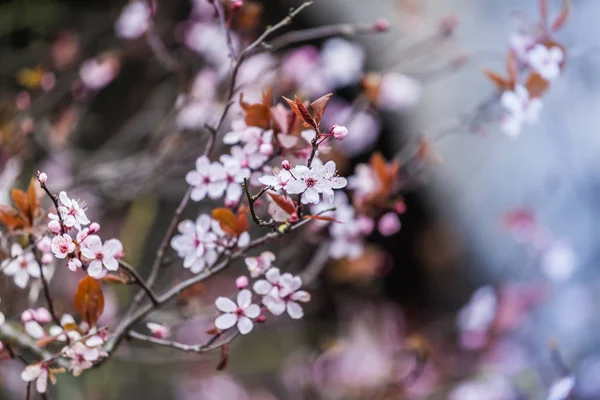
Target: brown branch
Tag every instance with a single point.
(294, 37)
(188, 348)
(252, 200)
(10, 335)
(226, 31)
(133, 273)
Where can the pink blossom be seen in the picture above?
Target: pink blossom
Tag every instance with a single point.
(38, 373)
(71, 211)
(241, 282)
(42, 177)
(207, 179)
(277, 182)
(21, 265)
(74, 264)
(558, 261)
(83, 355)
(520, 108)
(477, 316)
(315, 180)
(241, 313)
(158, 331)
(389, 224)
(285, 164)
(546, 61)
(62, 245)
(398, 91)
(54, 226)
(196, 243)
(133, 21)
(342, 62)
(235, 174)
(339, 132)
(96, 74)
(257, 266)
(44, 244)
(281, 292)
(100, 254)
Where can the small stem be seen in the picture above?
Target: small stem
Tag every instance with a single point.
(133, 273)
(28, 391)
(252, 200)
(54, 199)
(226, 31)
(188, 348)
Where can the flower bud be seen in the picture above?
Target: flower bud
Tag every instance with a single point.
(266, 149)
(381, 25)
(261, 319)
(54, 226)
(400, 207)
(293, 217)
(42, 315)
(389, 224)
(26, 316)
(42, 177)
(94, 227)
(285, 164)
(241, 282)
(339, 132)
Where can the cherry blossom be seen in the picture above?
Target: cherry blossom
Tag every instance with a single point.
(96, 74)
(39, 373)
(100, 254)
(66, 329)
(241, 313)
(71, 211)
(83, 355)
(315, 180)
(280, 293)
(561, 389)
(248, 158)
(388, 224)
(546, 61)
(21, 266)
(398, 91)
(206, 179)
(558, 261)
(475, 318)
(196, 243)
(258, 265)
(133, 21)
(277, 181)
(342, 62)
(235, 174)
(62, 245)
(158, 331)
(348, 234)
(520, 109)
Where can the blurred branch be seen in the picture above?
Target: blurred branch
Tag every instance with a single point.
(10, 335)
(188, 348)
(133, 273)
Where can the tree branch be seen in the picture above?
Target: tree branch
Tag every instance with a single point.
(133, 273)
(188, 348)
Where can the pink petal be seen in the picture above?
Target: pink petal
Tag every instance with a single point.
(225, 321)
(245, 325)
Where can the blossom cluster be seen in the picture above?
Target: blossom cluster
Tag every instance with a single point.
(278, 293)
(87, 250)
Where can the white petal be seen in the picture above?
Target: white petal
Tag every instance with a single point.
(274, 304)
(21, 278)
(244, 298)
(94, 269)
(199, 193)
(295, 186)
(294, 310)
(225, 304)
(268, 180)
(273, 275)
(111, 263)
(245, 325)
(252, 311)
(42, 381)
(31, 372)
(311, 196)
(225, 321)
(262, 287)
(301, 295)
(64, 198)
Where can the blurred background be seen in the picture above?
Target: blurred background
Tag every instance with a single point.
(488, 290)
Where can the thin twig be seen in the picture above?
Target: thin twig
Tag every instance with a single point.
(252, 200)
(188, 348)
(9, 335)
(290, 38)
(54, 199)
(133, 273)
(226, 31)
(28, 391)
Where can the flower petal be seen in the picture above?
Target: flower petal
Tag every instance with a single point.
(225, 304)
(225, 321)
(252, 311)
(294, 310)
(244, 298)
(245, 325)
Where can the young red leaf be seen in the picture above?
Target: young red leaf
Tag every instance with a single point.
(242, 220)
(322, 218)
(284, 204)
(536, 85)
(306, 117)
(501, 83)
(20, 199)
(258, 114)
(562, 17)
(89, 300)
(227, 220)
(318, 106)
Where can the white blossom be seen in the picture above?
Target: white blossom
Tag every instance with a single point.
(281, 292)
(241, 313)
(196, 243)
(207, 179)
(100, 254)
(546, 61)
(21, 265)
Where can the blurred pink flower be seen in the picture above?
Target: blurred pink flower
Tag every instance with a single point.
(97, 74)
(398, 91)
(134, 20)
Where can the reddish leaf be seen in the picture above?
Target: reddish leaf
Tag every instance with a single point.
(562, 17)
(284, 204)
(112, 278)
(89, 300)
(300, 110)
(502, 83)
(45, 341)
(322, 218)
(511, 66)
(242, 220)
(318, 106)
(536, 85)
(20, 199)
(258, 114)
(226, 219)
(544, 12)
(11, 218)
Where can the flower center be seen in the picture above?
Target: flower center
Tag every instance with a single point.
(310, 182)
(239, 312)
(23, 264)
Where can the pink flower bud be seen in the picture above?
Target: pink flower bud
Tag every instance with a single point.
(400, 207)
(293, 217)
(381, 25)
(285, 164)
(42, 315)
(27, 316)
(237, 4)
(54, 226)
(47, 258)
(266, 149)
(339, 132)
(42, 177)
(366, 224)
(94, 227)
(261, 319)
(389, 224)
(158, 331)
(241, 282)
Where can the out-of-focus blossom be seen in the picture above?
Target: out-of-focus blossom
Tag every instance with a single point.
(198, 107)
(216, 387)
(546, 61)
(364, 126)
(235, 174)
(134, 20)
(39, 373)
(561, 389)
(21, 265)
(588, 377)
(521, 44)
(208, 40)
(389, 224)
(258, 265)
(342, 62)
(240, 314)
(494, 388)
(558, 261)
(12, 169)
(96, 74)
(475, 318)
(398, 91)
(520, 108)
(196, 243)
(206, 179)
